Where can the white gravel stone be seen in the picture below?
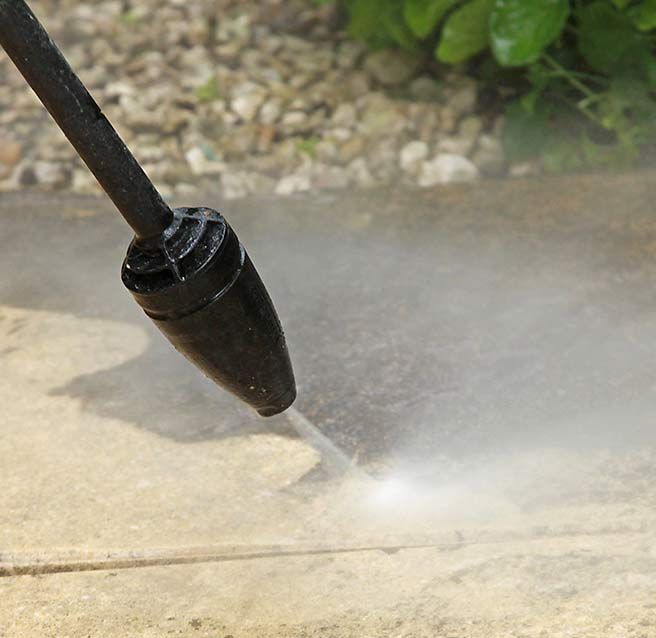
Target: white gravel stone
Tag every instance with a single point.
(355, 86)
(245, 106)
(345, 115)
(138, 116)
(271, 111)
(293, 184)
(383, 160)
(381, 117)
(340, 134)
(326, 150)
(464, 99)
(391, 67)
(412, 156)
(349, 53)
(445, 168)
(470, 128)
(425, 88)
(118, 89)
(262, 184)
(51, 174)
(455, 145)
(489, 156)
(351, 149)
(330, 177)
(200, 165)
(84, 183)
(290, 94)
(448, 120)
(360, 173)
(294, 119)
(184, 189)
(234, 185)
(524, 169)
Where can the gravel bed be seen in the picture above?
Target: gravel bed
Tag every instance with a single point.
(247, 97)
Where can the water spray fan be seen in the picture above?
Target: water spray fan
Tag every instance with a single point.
(185, 266)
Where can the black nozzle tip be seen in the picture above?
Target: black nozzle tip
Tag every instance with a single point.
(280, 404)
(203, 292)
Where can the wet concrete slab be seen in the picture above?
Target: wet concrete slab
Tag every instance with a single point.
(557, 587)
(449, 322)
(486, 354)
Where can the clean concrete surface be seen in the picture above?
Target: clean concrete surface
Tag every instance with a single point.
(485, 355)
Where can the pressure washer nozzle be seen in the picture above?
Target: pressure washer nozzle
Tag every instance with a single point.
(203, 292)
(185, 267)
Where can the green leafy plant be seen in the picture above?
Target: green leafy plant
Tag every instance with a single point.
(583, 71)
(209, 90)
(129, 18)
(308, 146)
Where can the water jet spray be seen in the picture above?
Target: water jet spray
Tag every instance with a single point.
(185, 267)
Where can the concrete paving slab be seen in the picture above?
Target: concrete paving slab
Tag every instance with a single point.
(584, 586)
(485, 355)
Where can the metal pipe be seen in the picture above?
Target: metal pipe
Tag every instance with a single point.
(48, 73)
(186, 268)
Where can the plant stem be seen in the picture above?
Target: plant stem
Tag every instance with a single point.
(571, 28)
(577, 84)
(580, 74)
(577, 106)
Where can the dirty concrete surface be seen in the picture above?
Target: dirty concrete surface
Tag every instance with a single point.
(484, 354)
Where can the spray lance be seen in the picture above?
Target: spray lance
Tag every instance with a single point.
(185, 266)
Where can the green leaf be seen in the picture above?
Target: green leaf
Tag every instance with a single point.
(209, 91)
(607, 39)
(494, 76)
(392, 20)
(365, 23)
(308, 146)
(521, 29)
(563, 155)
(466, 32)
(620, 155)
(525, 131)
(538, 75)
(130, 18)
(648, 66)
(644, 15)
(422, 16)
(627, 110)
(621, 4)
(539, 78)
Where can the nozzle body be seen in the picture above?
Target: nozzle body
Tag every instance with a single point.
(203, 292)
(186, 268)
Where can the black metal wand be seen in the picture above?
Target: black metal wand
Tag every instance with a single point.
(48, 73)
(186, 267)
